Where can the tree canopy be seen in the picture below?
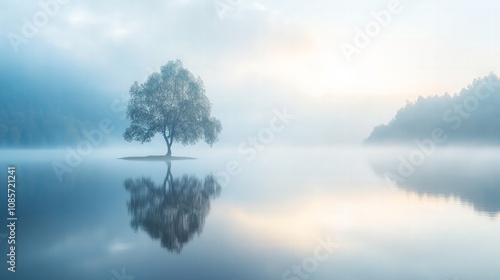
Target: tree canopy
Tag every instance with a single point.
(171, 103)
(470, 116)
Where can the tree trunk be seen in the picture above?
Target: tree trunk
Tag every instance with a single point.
(169, 151)
(168, 179)
(169, 144)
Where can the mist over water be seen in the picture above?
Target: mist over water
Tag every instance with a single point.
(465, 173)
(352, 140)
(272, 212)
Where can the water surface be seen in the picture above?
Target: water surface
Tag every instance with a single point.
(114, 218)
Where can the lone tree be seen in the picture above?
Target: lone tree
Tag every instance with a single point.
(172, 103)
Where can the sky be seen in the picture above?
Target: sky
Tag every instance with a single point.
(258, 56)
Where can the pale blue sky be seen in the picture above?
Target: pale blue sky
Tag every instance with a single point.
(283, 52)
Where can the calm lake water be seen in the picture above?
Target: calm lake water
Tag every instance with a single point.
(288, 214)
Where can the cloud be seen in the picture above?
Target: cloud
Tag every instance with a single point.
(269, 53)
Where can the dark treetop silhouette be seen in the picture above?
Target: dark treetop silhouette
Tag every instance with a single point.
(172, 103)
(174, 211)
(468, 117)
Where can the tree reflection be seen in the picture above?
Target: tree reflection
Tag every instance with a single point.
(471, 177)
(172, 211)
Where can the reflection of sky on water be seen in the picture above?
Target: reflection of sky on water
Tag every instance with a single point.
(265, 221)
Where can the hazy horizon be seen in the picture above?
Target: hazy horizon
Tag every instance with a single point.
(271, 55)
(347, 139)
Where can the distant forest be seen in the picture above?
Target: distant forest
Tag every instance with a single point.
(470, 116)
(36, 122)
(47, 111)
